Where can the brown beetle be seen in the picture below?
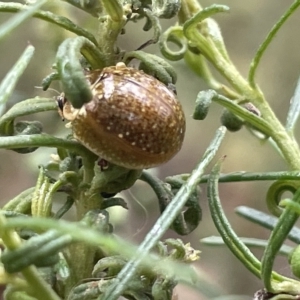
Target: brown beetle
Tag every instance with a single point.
(133, 120)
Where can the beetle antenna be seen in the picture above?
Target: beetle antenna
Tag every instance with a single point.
(49, 89)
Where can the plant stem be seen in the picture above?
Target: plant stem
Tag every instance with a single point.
(81, 252)
(285, 143)
(248, 90)
(38, 286)
(276, 240)
(261, 50)
(10, 80)
(183, 272)
(249, 242)
(49, 17)
(243, 176)
(233, 242)
(266, 221)
(109, 29)
(14, 22)
(163, 223)
(42, 140)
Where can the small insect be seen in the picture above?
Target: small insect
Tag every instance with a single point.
(133, 119)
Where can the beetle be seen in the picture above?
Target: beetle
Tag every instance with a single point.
(133, 119)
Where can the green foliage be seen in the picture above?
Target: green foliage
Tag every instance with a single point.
(46, 257)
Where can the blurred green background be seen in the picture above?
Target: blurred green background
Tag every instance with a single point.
(243, 28)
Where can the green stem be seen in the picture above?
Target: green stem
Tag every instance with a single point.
(243, 176)
(286, 144)
(42, 140)
(38, 286)
(183, 272)
(254, 120)
(41, 289)
(109, 30)
(49, 17)
(11, 78)
(283, 227)
(24, 108)
(237, 247)
(163, 223)
(266, 221)
(81, 251)
(163, 193)
(13, 203)
(27, 107)
(41, 188)
(275, 191)
(248, 176)
(261, 50)
(14, 22)
(114, 10)
(250, 242)
(188, 9)
(290, 203)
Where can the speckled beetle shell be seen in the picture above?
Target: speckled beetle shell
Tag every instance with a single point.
(133, 120)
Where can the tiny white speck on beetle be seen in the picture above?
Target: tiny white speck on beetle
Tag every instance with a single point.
(120, 135)
(127, 132)
(108, 127)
